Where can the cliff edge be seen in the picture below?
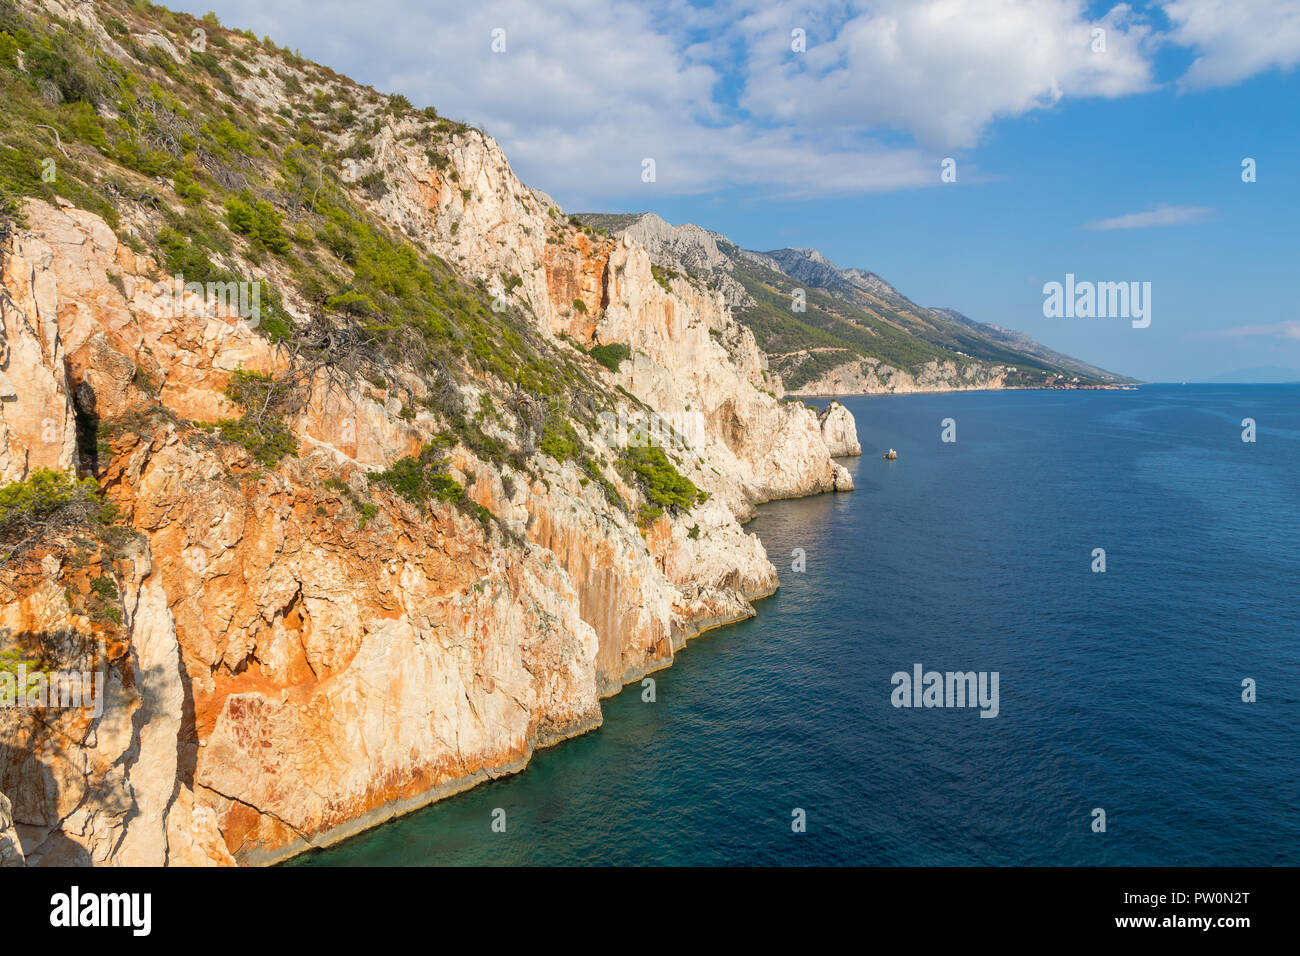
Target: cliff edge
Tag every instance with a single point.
(437, 470)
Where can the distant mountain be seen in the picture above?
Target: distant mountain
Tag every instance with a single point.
(835, 331)
(1022, 342)
(1264, 374)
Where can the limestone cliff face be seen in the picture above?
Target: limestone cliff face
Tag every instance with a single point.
(313, 678)
(105, 789)
(763, 448)
(690, 358)
(31, 363)
(864, 376)
(839, 430)
(11, 851)
(850, 301)
(291, 651)
(693, 249)
(284, 674)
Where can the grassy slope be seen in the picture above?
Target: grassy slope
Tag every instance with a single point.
(900, 337)
(214, 188)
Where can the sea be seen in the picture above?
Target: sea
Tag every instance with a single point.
(1146, 714)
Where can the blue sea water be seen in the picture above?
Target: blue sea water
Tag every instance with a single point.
(1119, 690)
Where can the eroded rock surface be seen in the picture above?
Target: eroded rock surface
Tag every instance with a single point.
(285, 677)
(292, 652)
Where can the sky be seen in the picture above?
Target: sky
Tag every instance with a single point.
(1104, 141)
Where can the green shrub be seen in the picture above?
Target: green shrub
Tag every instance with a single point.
(213, 67)
(41, 496)
(184, 257)
(81, 122)
(9, 51)
(663, 275)
(13, 661)
(610, 356)
(366, 511)
(476, 511)
(190, 192)
(105, 588)
(260, 221)
(421, 478)
(239, 216)
(49, 501)
(267, 441)
(373, 185)
(262, 429)
(663, 485)
(57, 60)
(560, 441)
(230, 139)
(133, 154)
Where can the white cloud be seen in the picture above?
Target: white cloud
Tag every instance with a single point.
(1234, 39)
(588, 88)
(943, 69)
(1275, 330)
(1160, 216)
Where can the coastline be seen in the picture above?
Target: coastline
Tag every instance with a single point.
(407, 805)
(396, 809)
(1127, 387)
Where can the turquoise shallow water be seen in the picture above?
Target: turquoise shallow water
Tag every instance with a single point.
(1119, 690)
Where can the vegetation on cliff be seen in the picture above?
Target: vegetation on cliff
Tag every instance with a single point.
(50, 502)
(166, 144)
(421, 478)
(611, 356)
(664, 486)
(262, 428)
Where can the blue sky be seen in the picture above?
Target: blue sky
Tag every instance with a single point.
(1114, 164)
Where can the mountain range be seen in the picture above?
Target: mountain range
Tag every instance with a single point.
(832, 331)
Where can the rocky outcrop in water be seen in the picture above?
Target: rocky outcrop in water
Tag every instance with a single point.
(839, 430)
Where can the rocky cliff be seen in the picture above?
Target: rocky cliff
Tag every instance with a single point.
(386, 537)
(839, 430)
(11, 852)
(865, 376)
(830, 331)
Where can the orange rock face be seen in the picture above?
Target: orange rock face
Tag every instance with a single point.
(577, 274)
(302, 654)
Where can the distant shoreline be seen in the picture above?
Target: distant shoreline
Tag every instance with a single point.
(1127, 387)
